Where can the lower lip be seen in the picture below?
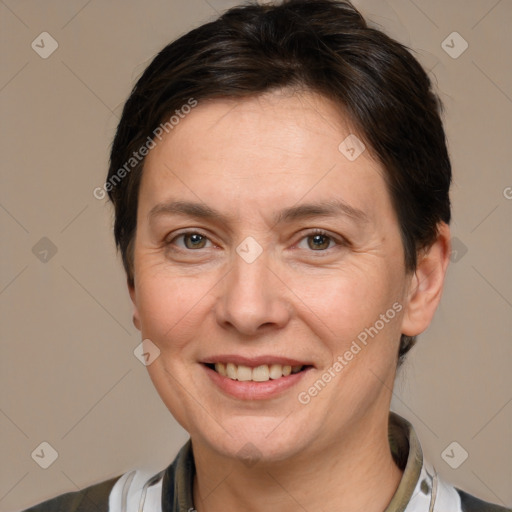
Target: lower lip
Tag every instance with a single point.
(250, 390)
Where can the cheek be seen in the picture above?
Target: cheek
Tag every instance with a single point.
(168, 307)
(345, 302)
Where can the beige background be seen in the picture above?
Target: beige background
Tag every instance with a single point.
(68, 373)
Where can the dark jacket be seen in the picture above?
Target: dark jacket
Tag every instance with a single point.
(420, 490)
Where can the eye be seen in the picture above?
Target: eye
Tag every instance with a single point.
(191, 240)
(319, 240)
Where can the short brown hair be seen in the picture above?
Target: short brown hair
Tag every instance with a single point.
(323, 46)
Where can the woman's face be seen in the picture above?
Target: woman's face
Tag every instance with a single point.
(261, 243)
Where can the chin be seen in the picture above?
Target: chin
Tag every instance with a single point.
(257, 440)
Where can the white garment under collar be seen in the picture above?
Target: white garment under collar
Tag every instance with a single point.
(141, 491)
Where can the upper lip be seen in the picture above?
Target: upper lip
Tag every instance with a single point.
(255, 361)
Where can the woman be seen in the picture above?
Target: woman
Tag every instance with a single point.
(281, 184)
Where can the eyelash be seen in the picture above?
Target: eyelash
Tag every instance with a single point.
(312, 233)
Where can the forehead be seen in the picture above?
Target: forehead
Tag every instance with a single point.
(270, 150)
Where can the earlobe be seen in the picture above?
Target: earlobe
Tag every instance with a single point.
(426, 285)
(133, 296)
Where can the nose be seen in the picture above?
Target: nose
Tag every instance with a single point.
(253, 298)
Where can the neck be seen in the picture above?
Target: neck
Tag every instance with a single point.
(355, 473)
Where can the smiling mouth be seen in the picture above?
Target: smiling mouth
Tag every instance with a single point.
(261, 373)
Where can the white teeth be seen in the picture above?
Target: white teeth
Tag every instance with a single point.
(260, 373)
(221, 368)
(231, 371)
(243, 373)
(275, 371)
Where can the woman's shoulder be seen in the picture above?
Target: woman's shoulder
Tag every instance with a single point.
(94, 498)
(470, 503)
(129, 491)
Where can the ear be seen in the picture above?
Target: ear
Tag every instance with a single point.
(426, 285)
(133, 296)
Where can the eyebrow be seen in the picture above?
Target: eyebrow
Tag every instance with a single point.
(327, 208)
